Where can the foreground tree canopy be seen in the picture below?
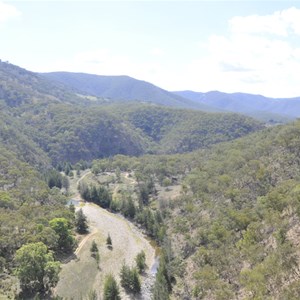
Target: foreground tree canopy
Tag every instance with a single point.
(37, 269)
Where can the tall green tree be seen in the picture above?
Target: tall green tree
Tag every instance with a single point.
(81, 222)
(135, 281)
(130, 279)
(141, 261)
(125, 276)
(95, 252)
(104, 197)
(37, 270)
(54, 178)
(111, 289)
(143, 195)
(109, 241)
(65, 182)
(94, 195)
(62, 229)
(129, 208)
(160, 290)
(162, 286)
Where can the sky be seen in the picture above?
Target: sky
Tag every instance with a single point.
(229, 46)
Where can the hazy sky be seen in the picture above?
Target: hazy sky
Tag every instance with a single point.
(231, 46)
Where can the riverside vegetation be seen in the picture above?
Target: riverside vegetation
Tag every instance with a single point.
(231, 233)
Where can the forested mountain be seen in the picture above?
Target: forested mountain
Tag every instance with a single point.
(233, 231)
(282, 109)
(178, 131)
(27, 204)
(234, 225)
(68, 133)
(14, 139)
(123, 88)
(236, 228)
(19, 86)
(71, 133)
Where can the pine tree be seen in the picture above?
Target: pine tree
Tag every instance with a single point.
(94, 195)
(135, 281)
(129, 209)
(141, 261)
(95, 252)
(130, 279)
(162, 286)
(109, 242)
(111, 289)
(81, 222)
(94, 247)
(160, 290)
(125, 277)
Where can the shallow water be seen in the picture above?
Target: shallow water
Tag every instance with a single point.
(154, 267)
(73, 201)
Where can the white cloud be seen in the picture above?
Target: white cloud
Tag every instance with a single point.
(258, 24)
(101, 61)
(106, 62)
(292, 17)
(257, 56)
(279, 23)
(156, 52)
(7, 11)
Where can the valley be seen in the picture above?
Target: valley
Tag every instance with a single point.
(216, 195)
(81, 275)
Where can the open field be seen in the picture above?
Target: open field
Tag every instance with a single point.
(82, 275)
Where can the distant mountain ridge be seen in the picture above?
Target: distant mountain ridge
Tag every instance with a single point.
(246, 103)
(123, 88)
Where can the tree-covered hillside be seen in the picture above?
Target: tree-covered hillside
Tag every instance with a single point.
(241, 197)
(235, 229)
(52, 119)
(13, 137)
(178, 131)
(27, 206)
(70, 134)
(123, 88)
(19, 86)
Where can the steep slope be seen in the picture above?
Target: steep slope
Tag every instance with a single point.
(233, 232)
(42, 118)
(19, 87)
(123, 88)
(26, 207)
(178, 131)
(14, 138)
(235, 229)
(235, 226)
(69, 133)
(247, 103)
